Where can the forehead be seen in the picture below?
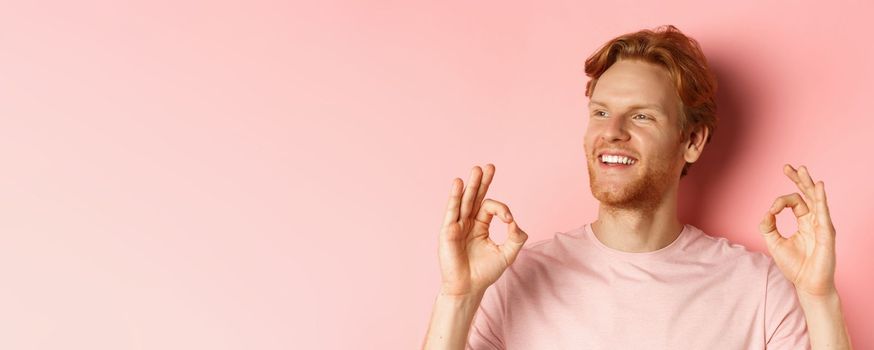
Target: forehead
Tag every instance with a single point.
(635, 83)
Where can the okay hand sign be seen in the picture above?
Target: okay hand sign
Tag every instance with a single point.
(469, 260)
(806, 258)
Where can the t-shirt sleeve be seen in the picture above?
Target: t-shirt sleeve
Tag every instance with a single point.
(785, 325)
(486, 328)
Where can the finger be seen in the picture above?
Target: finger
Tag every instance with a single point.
(470, 192)
(768, 229)
(808, 184)
(827, 234)
(794, 200)
(796, 178)
(491, 208)
(454, 203)
(515, 240)
(488, 175)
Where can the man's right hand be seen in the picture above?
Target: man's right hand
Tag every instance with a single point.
(469, 260)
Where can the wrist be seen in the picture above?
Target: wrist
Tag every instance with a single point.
(451, 320)
(464, 298)
(831, 299)
(825, 320)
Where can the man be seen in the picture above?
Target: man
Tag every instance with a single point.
(638, 278)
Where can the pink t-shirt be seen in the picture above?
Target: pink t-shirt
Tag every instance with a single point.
(699, 292)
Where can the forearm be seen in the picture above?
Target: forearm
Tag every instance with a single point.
(451, 320)
(825, 321)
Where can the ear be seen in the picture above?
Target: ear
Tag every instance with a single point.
(695, 143)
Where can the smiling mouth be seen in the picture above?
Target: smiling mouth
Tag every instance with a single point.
(616, 160)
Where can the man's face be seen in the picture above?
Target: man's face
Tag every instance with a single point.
(634, 112)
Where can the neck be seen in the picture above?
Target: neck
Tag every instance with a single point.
(639, 229)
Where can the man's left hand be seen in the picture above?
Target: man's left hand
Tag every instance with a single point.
(807, 258)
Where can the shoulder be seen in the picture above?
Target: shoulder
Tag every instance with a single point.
(762, 280)
(541, 260)
(556, 249)
(719, 250)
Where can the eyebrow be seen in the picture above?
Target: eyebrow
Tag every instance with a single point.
(638, 106)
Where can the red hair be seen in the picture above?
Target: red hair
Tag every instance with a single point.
(685, 62)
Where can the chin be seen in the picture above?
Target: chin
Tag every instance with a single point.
(617, 195)
(645, 188)
(638, 193)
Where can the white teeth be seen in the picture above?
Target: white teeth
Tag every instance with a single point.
(611, 159)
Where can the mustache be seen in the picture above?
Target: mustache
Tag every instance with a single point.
(600, 146)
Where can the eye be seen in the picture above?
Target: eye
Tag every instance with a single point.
(642, 115)
(600, 113)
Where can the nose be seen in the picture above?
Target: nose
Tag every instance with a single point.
(615, 130)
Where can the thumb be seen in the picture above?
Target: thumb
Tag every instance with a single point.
(768, 229)
(515, 240)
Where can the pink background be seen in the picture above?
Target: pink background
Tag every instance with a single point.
(260, 175)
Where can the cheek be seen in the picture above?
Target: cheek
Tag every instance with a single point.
(589, 137)
(667, 152)
(588, 147)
